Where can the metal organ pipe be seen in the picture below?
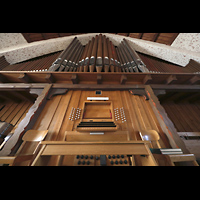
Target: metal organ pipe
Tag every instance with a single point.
(56, 64)
(99, 61)
(98, 55)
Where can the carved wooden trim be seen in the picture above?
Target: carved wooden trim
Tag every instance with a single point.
(139, 92)
(56, 91)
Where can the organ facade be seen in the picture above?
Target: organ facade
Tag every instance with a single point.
(99, 103)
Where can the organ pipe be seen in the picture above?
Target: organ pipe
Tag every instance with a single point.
(98, 55)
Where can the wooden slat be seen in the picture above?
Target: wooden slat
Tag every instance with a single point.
(58, 117)
(20, 113)
(132, 123)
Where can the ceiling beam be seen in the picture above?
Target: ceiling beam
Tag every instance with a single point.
(155, 37)
(140, 35)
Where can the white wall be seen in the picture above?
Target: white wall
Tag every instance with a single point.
(11, 39)
(188, 41)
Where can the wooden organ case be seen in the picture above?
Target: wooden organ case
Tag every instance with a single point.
(94, 106)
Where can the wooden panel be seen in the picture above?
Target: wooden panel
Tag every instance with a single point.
(85, 136)
(185, 116)
(95, 148)
(97, 110)
(58, 118)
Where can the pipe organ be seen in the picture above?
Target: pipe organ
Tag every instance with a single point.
(96, 104)
(98, 55)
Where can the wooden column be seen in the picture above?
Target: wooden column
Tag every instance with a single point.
(164, 121)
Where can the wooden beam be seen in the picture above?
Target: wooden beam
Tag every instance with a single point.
(50, 78)
(171, 79)
(155, 37)
(26, 36)
(3, 79)
(166, 124)
(193, 80)
(99, 78)
(74, 79)
(24, 78)
(44, 36)
(24, 86)
(147, 79)
(173, 38)
(79, 77)
(140, 35)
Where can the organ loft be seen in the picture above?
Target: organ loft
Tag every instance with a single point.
(99, 100)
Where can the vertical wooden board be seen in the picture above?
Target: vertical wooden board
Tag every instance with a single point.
(156, 126)
(57, 120)
(134, 115)
(83, 97)
(115, 97)
(67, 124)
(130, 116)
(47, 114)
(165, 123)
(140, 104)
(149, 114)
(138, 115)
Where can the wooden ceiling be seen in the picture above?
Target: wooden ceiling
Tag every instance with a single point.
(164, 38)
